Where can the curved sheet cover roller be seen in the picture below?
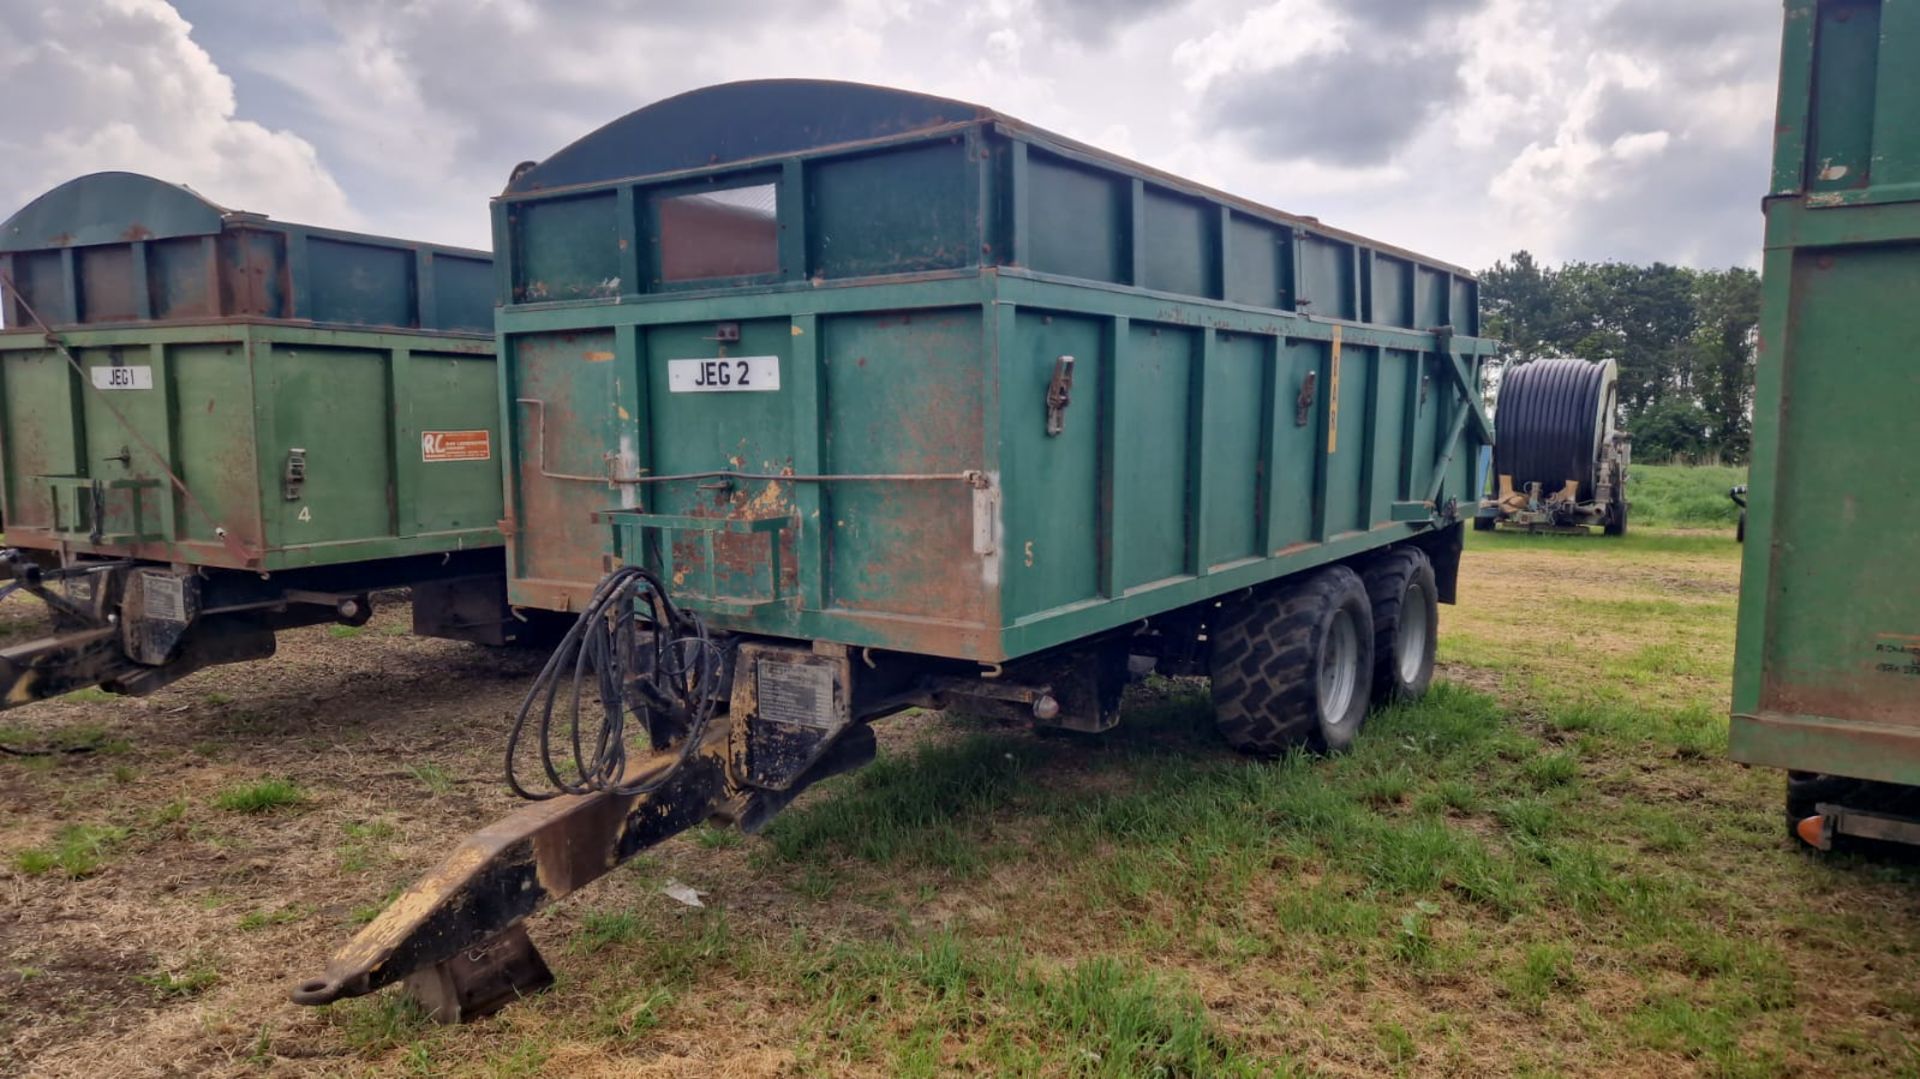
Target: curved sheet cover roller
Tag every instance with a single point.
(109, 207)
(738, 121)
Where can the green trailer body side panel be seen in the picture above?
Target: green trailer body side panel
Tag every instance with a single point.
(317, 400)
(1233, 429)
(323, 397)
(1827, 675)
(1059, 572)
(926, 369)
(1154, 367)
(438, 389)
(1252, 394)
(229, 404)
(217, 443)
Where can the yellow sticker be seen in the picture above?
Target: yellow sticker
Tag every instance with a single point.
(1333, 396)
(599, 357)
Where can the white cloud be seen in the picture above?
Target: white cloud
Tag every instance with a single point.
(1270, 35)
(1655, 153)
(1622, 128)
(93, 85)
(1643, 144)
(1514, 70)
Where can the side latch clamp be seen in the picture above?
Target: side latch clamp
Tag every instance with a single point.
(296, 473)
(1059, 395)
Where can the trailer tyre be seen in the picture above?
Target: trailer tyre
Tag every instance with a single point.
(1617, 520)
(1292, 666)
(1406, 614)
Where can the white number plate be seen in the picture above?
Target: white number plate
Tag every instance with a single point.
(123, 378)
(724, 375)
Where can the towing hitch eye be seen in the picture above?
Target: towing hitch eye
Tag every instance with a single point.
(457, 938)
(497, 877)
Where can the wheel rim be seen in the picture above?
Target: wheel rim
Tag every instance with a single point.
(1339, 666)
(1410, 644)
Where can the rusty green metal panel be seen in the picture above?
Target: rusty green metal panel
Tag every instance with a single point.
(1252, 393)
(291, 379)
(117, 247)
(862, 227)
(1827, 675)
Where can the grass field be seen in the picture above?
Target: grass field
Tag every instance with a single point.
(1677, 496)
(1547, 867)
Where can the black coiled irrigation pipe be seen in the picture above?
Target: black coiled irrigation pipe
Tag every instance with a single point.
(1549, 423)
(631, 637)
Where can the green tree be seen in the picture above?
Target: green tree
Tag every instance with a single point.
(1726, 344)
(1519, 306)
(1684, 342)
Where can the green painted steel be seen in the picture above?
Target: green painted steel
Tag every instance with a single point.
(1827, 675)
(1252, 393)
(280, 374)
(118, 247)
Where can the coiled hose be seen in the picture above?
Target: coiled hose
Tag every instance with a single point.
(1552, 419)
(643, 656)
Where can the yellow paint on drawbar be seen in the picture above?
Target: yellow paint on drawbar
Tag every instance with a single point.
(1333, 396)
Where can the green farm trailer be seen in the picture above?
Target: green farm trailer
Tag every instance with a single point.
(824, 401)
(214, 426)
(1827, 675)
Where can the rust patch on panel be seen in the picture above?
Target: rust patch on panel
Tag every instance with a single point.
(562, 466)
(919, 534)
(28, 456)
(567, 543)
(742, 563)
(1871, 696)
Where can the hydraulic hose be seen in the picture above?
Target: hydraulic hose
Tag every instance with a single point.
(1551, 421)
(643, 656)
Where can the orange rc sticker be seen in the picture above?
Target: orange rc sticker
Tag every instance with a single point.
(456, 446)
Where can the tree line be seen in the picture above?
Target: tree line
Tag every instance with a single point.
(1684, 340)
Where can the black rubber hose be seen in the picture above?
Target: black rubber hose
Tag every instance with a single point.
(1543, 412)
(1537, 413)
(1549, 425)
(1560, 442)
(629, 633)
(1511, 419)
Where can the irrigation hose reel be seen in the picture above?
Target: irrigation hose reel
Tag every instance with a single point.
(1560, 461)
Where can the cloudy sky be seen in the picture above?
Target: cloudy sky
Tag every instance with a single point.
(1467, 129)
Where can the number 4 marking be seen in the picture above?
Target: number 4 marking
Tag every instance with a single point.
(306, 513)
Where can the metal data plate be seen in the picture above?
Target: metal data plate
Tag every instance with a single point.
(164, 597)
(796, 693)
(727, 375)
(789, 705)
